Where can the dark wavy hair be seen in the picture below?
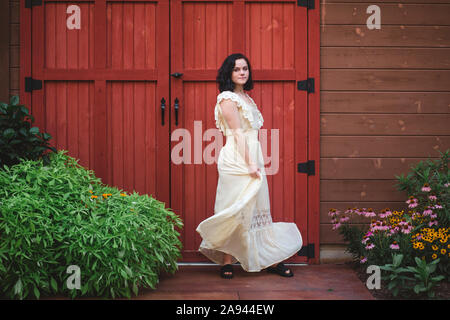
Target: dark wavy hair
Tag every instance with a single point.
(225, 71)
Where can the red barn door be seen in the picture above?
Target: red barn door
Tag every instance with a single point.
(104, 70)
(118, 83)
(273, 35)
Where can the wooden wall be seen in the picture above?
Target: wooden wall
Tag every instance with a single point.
(385, 98)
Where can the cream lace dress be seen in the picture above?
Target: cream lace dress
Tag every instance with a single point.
(242, 224)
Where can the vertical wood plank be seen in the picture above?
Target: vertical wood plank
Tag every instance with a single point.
(61, 36)
(188, 30)
(238, 32)
(100, 116)
(61, 114)
(50, 35)
(139, 137)
(266, 36)
(72, 116)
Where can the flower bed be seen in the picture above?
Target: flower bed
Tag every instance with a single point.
(412, 245)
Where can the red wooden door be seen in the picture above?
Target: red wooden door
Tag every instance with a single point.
(273, 35)
(102, 85)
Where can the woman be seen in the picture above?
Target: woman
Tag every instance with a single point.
(241, 228)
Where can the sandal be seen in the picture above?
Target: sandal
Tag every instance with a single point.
(228, 268)
(281, 269)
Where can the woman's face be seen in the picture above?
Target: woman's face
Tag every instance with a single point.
(240, 72)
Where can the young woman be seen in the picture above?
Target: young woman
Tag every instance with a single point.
(241, 228)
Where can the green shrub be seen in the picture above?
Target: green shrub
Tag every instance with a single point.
(422, 283)
(55, 216)
(18, 139)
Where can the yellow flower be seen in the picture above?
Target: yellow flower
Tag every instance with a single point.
(123, 194)
(443, 251)
(94, 197)
(434, 256)
(435, 247)
(91, 191)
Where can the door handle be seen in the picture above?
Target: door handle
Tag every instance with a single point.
(163, 107)
(176, 74)
(176, 106)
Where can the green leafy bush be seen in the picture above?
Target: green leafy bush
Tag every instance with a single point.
(422, 282)
(18, 138)
(55, 216)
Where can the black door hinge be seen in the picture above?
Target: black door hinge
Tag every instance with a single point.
(309, 4)
(32, 84)
(32, 3)
(308, 167)
(307, 85)
(307, 251)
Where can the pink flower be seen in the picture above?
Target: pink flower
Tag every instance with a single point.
(394, 246)
(406, 230)
(385, 214)
(336, 226)
(370, 246)
(363, 260)
(412, 202)
(344, 219)
(426, 188)
(447, 184)
(349, 211)
(432, 198)
(369, 214)
(427, 211)
(333, 212)
(433, 223)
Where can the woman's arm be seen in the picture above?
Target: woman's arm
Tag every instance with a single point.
(231, 115)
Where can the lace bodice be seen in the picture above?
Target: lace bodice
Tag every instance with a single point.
(251, 117)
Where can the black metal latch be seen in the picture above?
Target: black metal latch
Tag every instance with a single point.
(307, 251)
(307, 85)
(309, 4)
(32, 84)
(308, 167)
(32, 3)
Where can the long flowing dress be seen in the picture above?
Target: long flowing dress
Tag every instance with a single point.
(242, 225)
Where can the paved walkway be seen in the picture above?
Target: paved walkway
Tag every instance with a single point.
(311, 282)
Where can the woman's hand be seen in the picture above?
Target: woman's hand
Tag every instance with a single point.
(254, 171)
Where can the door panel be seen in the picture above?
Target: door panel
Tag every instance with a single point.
(102, 88)
(271, 34)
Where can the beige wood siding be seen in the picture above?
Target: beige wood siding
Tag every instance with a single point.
(385, 98)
